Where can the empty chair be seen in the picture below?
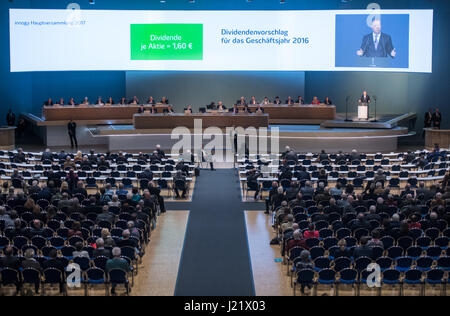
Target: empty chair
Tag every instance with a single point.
(424, 263)
(395, 252)
(384, 263)
(403, 264)
(435, 282)
(390, 280)
(443, 263)
(322, 263)
(347, 277)
(341, 263)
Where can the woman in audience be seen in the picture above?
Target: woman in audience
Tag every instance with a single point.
(343, 250)
(106, 236)
(79, 252)
(136, 196)
(64, 187)
(78, 157)
(298, 241)
(75, 230)
(311, 232)
(114, 201)
(72, 180)
(30, 205)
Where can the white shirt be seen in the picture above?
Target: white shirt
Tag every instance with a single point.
(376, 37)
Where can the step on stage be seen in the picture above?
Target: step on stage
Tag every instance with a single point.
(333, 136)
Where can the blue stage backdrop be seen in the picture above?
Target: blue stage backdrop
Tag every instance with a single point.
(350, 30)
(397, 92)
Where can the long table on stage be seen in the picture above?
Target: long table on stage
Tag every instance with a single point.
(93, 112)
(221, 120)
(437, 136)
(297, 114)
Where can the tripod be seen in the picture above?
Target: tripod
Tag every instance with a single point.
(346, 109)
(375, 99)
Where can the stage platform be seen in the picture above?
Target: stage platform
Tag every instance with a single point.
(367, 136)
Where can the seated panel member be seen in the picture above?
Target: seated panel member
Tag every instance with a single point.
(315, 101)
(141, 109)
(234, 109)
(99, 101)
(85, 101)
(123, 101)
(49, 102)
(246, 109)
(289, 101)
(327, 101)
(266, 101)
(135, 101)
(211, 106)
(221, 107)
(61, 102)
(151, 100)
(169, 110)
(72, 102)
(164, 100)
(259, 109)
(277, 100)
(153, 109)
(253, 101)
(188, 109)
(110, 101)
(241, 101)
(300, 100)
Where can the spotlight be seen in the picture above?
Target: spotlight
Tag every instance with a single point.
(162, 1)
(191, 1)
(91, 1)
(282, 1)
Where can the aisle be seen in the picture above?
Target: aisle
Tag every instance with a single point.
(215, 258)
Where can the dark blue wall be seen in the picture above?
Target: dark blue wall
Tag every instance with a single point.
(25, 92)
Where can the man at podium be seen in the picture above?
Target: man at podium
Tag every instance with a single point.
(363, 107)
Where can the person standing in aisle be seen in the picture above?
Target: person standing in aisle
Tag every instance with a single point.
(72, 129)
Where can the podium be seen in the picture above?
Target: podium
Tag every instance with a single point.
(363, 111)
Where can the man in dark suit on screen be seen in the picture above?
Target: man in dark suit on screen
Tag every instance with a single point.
(377, 44)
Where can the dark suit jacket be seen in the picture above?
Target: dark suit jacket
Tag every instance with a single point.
(385, 46)
(365, 101)
(71, 127)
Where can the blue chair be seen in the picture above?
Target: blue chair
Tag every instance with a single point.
(95, 276)
(391, 277)
(343, 232)
(342, 263)
(395, 252)
(443, 263)
(312, 242)
(414, 252)
(442, 242)
(413, 277)
(119, 276)
(304, 277)
(10, 276)
(403, 264)
(346, 277)
(31, 276)
(322, 263)
(67, 251)
(377, 252)
(361, 263)
(54, 276)
(316, 252)
(83, 262)
(329, 242)
(326, 276)
(424, 263)
(435, 276)
(385, 263)
(388, 242)
(100, 262)
(405, 242)
(424, 242)
(434, 252)
(433, 233)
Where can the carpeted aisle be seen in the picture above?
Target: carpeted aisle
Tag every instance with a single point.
(215, 260)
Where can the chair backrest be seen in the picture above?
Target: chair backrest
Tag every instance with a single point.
(117, 276)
